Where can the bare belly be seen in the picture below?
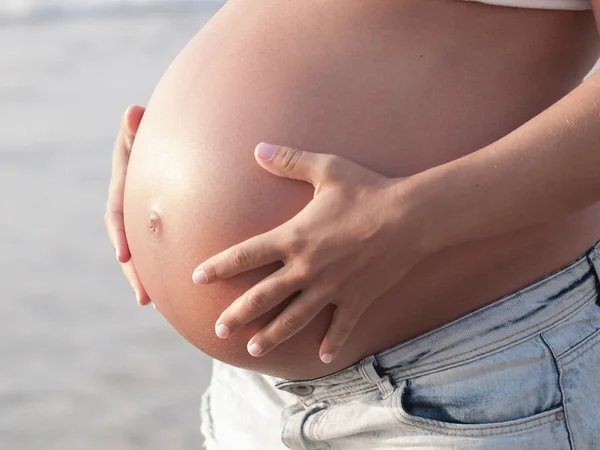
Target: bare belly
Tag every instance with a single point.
(395, 86)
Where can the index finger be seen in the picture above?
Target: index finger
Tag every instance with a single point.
(251, 254)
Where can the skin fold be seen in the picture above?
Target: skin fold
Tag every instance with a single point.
(396, 87)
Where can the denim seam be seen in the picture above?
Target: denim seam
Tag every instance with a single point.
(563, 393)
(324, 381)
(317, 421)
(536, 329)
(492, 430)
(354, 388)
(339, 397)
(484, 430)
(581, 348)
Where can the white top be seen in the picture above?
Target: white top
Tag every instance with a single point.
(573, 5)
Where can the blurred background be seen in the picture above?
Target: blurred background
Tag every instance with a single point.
(81, 365)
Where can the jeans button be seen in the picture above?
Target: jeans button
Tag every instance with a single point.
(302, 389)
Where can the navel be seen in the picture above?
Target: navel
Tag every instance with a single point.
(155, 221)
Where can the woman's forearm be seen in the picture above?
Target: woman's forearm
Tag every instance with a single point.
(547, 168)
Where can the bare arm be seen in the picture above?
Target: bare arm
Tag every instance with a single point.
(547, 168)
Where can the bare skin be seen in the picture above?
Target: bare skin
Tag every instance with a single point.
(423, 83)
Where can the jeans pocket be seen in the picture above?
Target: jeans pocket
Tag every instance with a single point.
(510, 391)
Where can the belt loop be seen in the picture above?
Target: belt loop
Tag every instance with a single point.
(367, 369)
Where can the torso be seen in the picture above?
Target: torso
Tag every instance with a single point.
(396, 86)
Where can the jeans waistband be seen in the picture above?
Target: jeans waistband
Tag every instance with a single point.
(500, 324)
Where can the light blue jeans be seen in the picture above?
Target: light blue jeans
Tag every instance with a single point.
(522, 372)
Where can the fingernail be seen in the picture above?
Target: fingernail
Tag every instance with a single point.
(117, 255)
(255, 349)
(137, 297)
(199, 277)
(327, 358)
(222, 331)
(154, 306)
(266, 151)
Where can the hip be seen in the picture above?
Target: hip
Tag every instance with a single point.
(453, 283)
(518, 373)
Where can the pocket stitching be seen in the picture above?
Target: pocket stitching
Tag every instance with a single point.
(516, 425)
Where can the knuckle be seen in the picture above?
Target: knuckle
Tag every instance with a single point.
(255, 301)
(295, 242)
(341, 331)
(240, 258)
(210, 272)
(233, 323)
(266, 343)
(290, 322)
(107, 217)
(303, 273)
(290, 158)
(329, 166)
(113, 218)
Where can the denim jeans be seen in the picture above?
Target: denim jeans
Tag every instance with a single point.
(522, 372)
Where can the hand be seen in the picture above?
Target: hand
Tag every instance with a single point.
(113, 218)
(357, 238)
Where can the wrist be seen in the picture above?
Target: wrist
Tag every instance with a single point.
(415, 213)
(462, 200)
(449, 203)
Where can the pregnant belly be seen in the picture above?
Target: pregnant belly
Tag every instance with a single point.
(376, 82)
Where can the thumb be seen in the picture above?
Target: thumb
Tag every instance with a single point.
(293, 163)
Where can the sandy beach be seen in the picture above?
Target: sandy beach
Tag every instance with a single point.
(83, 367)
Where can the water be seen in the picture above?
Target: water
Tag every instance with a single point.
(82, 366)
(19, 10)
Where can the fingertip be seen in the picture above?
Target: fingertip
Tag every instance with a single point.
(265, 152)
(128, 110)
(121, 245)
(122, 256)
(133, 117)
(327, 357)
(222, 331)
(143, 300)
(255, 349)
(199, 276)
